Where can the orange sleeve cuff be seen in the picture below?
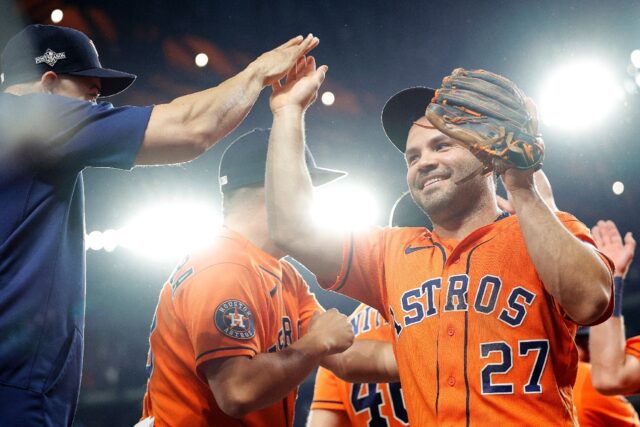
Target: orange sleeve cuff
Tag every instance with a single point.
(343, 274)
(332, 405)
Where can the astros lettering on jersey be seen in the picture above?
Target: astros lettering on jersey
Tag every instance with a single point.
(231, 300)
(364, 404)
(477, 337)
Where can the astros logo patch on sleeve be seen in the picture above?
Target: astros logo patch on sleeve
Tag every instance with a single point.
(234, 319)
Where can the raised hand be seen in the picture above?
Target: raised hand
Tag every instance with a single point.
(609, 241)
(544, 189)
(301, 86)
(275, 64)
(332, 331)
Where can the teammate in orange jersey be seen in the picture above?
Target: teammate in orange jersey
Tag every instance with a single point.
(233, 333)
(595, 409)
(338, 403)
(616, 362)
(485, 308)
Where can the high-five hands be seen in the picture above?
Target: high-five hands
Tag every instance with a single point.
(300, 89)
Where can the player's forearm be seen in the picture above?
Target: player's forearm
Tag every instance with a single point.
(613, 370)
(189, 125)
(269, 377)
(217, 111)
(366, 361)
(571, 271)
(288, 184)
(290, 196)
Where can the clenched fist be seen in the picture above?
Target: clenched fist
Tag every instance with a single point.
(332, 331)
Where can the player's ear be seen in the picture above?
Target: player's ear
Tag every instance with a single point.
(49, 81)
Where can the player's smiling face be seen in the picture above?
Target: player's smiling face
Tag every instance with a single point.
(435, 162)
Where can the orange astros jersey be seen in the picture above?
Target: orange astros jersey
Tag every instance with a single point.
(364, 404)
(597, 410)
(478, 340)
(633, 349)
(230, 300)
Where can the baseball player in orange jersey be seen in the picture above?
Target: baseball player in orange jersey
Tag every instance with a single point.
(485, 307)
(339, 403)
(233, 333)
(615, 361)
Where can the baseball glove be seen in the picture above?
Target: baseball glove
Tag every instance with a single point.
(491, 116)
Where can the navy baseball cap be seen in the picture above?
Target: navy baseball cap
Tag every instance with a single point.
(41, 48)
(244, 163)
(401, 110)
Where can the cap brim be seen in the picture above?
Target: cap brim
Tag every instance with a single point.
(406, 213)
(322, 176)
(401, 110)
(112, 82)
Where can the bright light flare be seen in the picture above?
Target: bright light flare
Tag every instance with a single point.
(580, 96)
(170, 231)
(202, 59)
(344, 208)
(56, 16)
(630, 86)
(635, 58)
(618, 188)
(328, 98)
(94, 240)
(110, 240)
(165, 232)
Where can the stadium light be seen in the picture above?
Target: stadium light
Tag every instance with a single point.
(344, 207)
(328, 98)
(56, 16)
(618, 188)
(110, 240)
(202, 59)
(579, 96)
(165, 232)
(94, 240)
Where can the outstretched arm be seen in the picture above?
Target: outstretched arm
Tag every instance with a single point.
(242, 385)
(187, 126)
(614, 371)
(288, 185)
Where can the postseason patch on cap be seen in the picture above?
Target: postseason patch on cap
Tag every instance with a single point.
(234, 319)
(50, 57)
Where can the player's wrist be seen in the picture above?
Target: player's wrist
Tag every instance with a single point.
(618, 286)
(292, 110)
(256, 72)
(522, 198)
(313, 345)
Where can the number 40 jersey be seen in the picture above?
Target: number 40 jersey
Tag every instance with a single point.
(365, 405)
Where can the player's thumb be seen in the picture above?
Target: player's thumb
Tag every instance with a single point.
(630, 241)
